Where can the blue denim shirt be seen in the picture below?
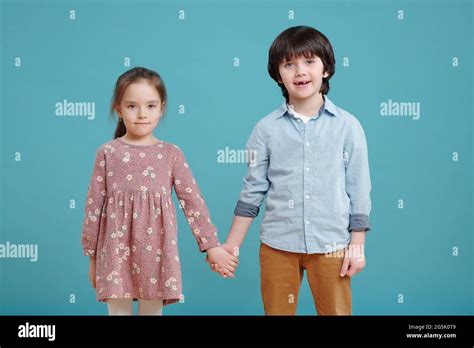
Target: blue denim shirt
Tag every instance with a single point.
(315, 179)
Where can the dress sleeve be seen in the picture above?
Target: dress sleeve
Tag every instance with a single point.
(192, 204)
(93, 206)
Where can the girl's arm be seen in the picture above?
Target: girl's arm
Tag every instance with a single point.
(93, 206)
(192, 203)
(197, 213)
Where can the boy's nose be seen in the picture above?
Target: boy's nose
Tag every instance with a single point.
(300, 71)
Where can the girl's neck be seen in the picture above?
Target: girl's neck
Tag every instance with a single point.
(309, 106)
(146, 140)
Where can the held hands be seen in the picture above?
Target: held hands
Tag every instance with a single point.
(223, 259)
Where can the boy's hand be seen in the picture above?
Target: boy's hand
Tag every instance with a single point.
(233, 250)
(354, 258)
(226, 262)
(92, 273)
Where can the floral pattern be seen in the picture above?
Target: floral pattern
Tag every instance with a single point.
(130, 220)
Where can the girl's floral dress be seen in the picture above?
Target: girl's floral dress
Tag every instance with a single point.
(130, 220)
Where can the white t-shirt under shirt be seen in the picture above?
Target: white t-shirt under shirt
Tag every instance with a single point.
(304, 118)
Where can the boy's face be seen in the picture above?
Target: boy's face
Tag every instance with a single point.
(302, 76)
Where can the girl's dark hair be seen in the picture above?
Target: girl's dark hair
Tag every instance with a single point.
(127, 78)
(301, 41)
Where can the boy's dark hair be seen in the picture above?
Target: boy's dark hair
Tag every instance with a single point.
(301, 41)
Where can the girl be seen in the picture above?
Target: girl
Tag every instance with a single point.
(129, 231)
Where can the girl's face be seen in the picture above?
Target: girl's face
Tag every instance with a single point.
(141, 109)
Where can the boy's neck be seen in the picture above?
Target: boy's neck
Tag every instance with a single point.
(308, 106)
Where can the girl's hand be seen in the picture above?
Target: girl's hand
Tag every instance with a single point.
(92, 271)
(224, 260)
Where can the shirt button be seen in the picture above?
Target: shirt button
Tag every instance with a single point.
(307, 196)
(307, 169)
(307, 222)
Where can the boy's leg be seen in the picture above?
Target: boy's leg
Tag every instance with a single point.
(332, 294)
(120, 306)
(150, 307)
(280, 277)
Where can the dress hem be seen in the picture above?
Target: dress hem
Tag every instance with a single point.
(166, 301)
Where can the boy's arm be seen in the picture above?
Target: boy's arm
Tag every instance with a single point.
(238, 231)
(358, 189)
(256, 185)
(357, 179)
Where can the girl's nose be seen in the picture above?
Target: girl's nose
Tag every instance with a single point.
(142, 114)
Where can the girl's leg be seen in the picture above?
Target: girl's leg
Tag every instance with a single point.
(120, 306)
(150, 307)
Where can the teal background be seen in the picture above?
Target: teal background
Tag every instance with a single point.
(408, 252)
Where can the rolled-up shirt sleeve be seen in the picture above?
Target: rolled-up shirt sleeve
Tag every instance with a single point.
(357, 179)
(256, 181)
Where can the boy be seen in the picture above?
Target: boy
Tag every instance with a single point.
(312, 169)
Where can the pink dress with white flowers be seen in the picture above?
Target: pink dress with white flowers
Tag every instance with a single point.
(130, 220)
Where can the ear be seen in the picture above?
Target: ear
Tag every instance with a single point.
(326, 74)
(162, 109)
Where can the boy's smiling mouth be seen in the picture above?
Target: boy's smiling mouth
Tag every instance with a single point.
(301, 83)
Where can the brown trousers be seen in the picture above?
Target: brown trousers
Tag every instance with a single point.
(281, 273)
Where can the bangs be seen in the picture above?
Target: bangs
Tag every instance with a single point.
(292, 49)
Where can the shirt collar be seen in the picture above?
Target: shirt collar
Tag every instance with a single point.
(328, 106)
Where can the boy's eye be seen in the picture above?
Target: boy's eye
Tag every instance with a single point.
(288, 65)
(152, 106)
(310, 61)
(130, 106)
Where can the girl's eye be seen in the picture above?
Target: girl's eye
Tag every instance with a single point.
(130, 106)
(288, 65)
(152, 105)
(310, 61)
